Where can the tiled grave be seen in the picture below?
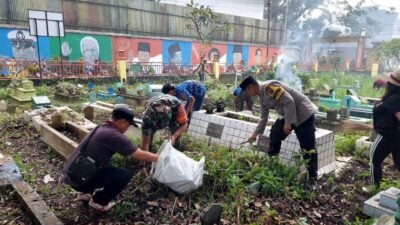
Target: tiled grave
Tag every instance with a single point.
(382, 203)
(222, 130)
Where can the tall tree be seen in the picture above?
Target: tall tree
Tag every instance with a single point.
(205, 23)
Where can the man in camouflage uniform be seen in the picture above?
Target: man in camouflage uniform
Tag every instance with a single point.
(161, 112)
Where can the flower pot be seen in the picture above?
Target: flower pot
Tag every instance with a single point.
(209, 108)
(220, 106)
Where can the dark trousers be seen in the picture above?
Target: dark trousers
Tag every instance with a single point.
(305, 133)
(380, 149)
(239, 103)
(112, 180)
(196, 107)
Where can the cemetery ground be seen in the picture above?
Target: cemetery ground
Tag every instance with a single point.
(252, 188)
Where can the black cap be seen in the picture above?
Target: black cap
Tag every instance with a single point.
(167, 87)
(143, 47)
(237, 49)
(246, 82)
(124, 113)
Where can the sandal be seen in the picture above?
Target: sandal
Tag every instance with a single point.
(102, 208)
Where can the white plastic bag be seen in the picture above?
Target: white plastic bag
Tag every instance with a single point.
(179, 172)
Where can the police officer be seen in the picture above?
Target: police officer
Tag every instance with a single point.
(297, 113)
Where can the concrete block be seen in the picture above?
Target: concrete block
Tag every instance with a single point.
(389, 197)
(34, 204)
(373, 209)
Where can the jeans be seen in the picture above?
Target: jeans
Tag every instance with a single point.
(112, 180)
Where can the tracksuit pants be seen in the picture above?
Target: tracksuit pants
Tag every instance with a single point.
(380, 149)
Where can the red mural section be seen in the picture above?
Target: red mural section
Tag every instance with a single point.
(212, 52)
(257, 56)
(138, 50)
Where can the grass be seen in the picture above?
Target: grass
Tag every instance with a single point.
(366, 82)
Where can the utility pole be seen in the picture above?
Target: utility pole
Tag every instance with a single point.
(268, 26)
(286, 19)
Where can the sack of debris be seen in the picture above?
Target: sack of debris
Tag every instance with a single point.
(179, 172)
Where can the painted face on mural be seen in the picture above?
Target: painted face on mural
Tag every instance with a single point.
(143, 52)
(65, 49)
(89, 49)
(237, 57)
(175, 54)
(23, 45)
(258, 58)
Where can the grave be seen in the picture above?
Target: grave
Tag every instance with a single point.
(22, 92)
(385, 202)
(230, 129)
(63, 139)
(67, 92)
(40, 102)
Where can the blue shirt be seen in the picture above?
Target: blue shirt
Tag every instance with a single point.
(237, 91)
(190, 88)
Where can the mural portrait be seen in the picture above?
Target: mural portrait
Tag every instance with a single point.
(176, 56)
(237, 56)
(81, 47)
(19, 44)
(212, 53)
(144, 55)
(257, 56)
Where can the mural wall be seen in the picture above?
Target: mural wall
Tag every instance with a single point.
(82, 47)
(19, 44)
(148, 55)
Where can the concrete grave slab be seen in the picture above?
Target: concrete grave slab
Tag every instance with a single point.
(374, 209)
(233, 131)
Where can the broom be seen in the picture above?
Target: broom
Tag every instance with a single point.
(349, 125)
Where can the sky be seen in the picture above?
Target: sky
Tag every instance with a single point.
(254, 8)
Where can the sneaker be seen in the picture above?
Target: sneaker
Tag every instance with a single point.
(102, 208)
(83, 197)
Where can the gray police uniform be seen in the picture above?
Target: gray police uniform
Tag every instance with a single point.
(296, 109)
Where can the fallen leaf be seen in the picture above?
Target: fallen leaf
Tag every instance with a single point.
(155, 204)
(317, 214)
(258, 204)
(197, 206)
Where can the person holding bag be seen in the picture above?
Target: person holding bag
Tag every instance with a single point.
(89, 166)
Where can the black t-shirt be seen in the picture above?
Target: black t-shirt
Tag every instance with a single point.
(385, 120)
(105, 142)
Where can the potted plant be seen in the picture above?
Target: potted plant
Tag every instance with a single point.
(220, 105)
(209, 108)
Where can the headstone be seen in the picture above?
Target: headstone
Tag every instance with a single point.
(89, 112)
(388, 198)
(214, 130)
(57, 120)
(334, 82)
(211, 215)
(3, 106)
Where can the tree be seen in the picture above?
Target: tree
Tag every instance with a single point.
(347, 17)
(389, 53)
(205, 24)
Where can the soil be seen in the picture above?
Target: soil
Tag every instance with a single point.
(11, 210)
(69, 134)
(337, 199)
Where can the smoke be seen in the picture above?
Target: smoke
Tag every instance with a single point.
(284, 71)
